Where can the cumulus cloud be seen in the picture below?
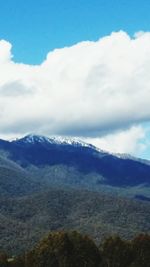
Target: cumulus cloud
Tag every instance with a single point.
(129, 141)
(5, 51)
(14, 89)
(90, 89)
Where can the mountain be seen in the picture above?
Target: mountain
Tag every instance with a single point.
(76, 160)
(57, 183)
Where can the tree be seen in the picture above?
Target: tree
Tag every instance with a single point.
(61, 249)
(141, 250)
(3, 259)
(116, 252)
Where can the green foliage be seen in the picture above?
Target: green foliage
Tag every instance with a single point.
(17, 262)
(71, 249)
(117, 252)
(3, 259)
(141, 249)
(120, 253)
(24, 220)
(63, 249)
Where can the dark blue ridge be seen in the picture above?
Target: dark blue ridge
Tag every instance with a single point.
(141, 197)
(116, 171)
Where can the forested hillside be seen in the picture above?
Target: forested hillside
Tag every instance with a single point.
(25, 220)
(71, 249)
(50, 185)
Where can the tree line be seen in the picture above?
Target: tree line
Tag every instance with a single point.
(72, 249)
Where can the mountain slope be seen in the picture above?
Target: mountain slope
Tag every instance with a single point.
(14, 180)
(41, 151)
(67, 168)
(28, 218)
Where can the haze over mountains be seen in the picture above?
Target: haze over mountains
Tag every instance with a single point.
(50, 184)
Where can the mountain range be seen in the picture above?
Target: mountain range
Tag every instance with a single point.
(66, 162)
(60, 183)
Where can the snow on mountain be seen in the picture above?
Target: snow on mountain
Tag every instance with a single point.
(32, 139)
(130, 157)
(41, 151)
(59, 140)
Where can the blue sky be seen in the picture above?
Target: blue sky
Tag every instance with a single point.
(98, 90)
(38, 26)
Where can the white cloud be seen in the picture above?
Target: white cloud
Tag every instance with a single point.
(5, 52)
(89, 89)
(129, 141)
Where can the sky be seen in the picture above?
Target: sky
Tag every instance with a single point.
(77, 68)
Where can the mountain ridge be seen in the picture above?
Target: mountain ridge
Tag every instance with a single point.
(37, 138)
(55, 186)
(40, 151)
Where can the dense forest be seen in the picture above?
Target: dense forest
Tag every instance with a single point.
(72, 191)
(25, 220)
(72, 249)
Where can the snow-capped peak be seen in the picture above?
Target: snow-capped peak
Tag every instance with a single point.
(69, 141)
(33, 138)
(59, 140)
